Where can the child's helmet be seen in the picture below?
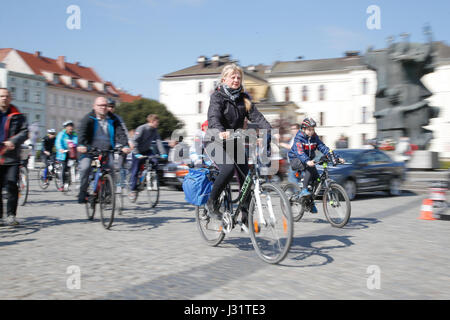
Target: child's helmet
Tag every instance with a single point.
(308, 122)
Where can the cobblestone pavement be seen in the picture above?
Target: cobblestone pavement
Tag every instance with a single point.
(384, 252)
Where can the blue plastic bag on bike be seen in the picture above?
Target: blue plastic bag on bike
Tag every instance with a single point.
(197, 186)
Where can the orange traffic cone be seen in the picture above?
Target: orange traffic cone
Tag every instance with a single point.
(426, 212)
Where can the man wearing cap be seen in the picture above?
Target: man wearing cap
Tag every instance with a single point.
(64, 137)
(122, 159)
(13, 132)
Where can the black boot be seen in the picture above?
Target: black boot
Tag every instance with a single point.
(213, 209)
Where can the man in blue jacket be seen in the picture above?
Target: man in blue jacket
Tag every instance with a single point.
(64, 137)
(303, 151)
(102, 130)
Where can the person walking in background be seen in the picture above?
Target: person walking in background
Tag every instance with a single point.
(291, 174)
(13, 132)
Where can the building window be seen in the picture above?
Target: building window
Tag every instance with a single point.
(200, 87)
(287, 94)
(200, 107)
(364, 86)
(363, 139)
(13, 93)
(321, 92)
(304, 93)
(26, 95)
(55, 78)
(38, 97)
(364, 114)
(321, 119)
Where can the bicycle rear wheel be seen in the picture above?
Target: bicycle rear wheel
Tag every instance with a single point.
(58, 176)
(336, 205)
(292, 192)
(152, 188)
(23, 185)
(72, 181)
(92, 199)
(43, 183)
(122, 190)
(211, 229)
(271, 230)
(107, 201)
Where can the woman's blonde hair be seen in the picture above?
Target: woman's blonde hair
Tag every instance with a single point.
(231, 68)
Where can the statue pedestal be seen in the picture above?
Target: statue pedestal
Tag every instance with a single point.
(423, 159)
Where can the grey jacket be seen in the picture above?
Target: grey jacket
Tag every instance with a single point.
(143, 138)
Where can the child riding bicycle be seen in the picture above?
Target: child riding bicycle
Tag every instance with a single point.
(302, 153)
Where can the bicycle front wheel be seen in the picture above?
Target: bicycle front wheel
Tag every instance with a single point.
(23, 185)
(43, 183)
(336, 205)
(292, 192)
(107, 199)
(152, 188)
(270, 223)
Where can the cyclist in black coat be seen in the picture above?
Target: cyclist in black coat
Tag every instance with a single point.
(229, 106)
(47, 154)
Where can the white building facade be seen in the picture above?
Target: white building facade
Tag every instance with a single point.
(28, 93)
(69, 89)
(188, 99)
(340, 99)
(338, 93)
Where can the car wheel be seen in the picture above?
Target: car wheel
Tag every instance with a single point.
(395, 187)
(350, 189)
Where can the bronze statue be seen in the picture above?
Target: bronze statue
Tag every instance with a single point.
(401, 108)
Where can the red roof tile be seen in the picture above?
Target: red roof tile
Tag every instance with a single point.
(40, 63)
(4, 53)
(126, 97)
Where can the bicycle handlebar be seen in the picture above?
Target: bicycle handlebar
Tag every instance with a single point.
(325, 159)
(97, 151)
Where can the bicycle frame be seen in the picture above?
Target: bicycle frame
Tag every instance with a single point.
(324, 181)
(147, 168)
(99, 163)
